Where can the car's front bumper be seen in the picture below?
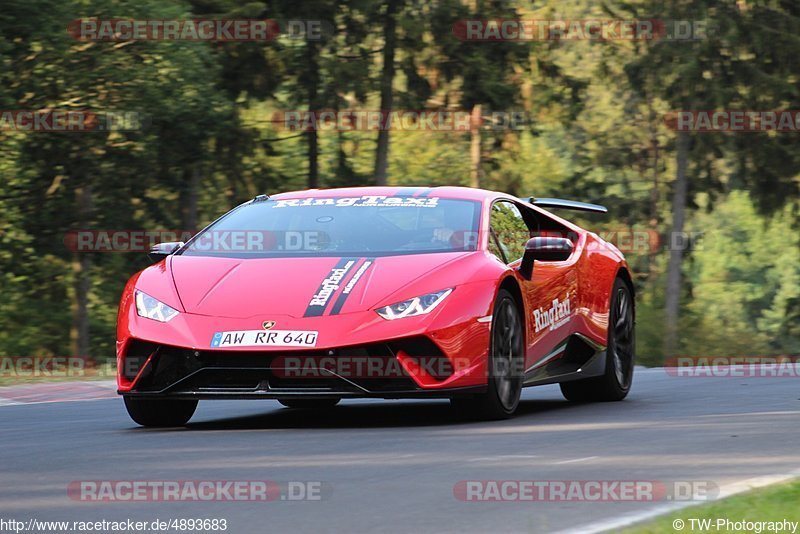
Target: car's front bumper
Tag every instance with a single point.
(424, 359)
(400, 368)
(356, 354)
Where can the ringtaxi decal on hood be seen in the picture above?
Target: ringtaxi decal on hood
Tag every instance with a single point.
(330, 284)
(351, 284)
(337, 283)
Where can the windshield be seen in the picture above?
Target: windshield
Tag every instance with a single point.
(337, 226)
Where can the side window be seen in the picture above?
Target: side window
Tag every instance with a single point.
(508, 232)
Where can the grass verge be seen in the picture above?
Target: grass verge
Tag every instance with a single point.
(771, 504)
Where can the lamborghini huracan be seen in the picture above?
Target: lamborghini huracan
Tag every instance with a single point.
(311, 297)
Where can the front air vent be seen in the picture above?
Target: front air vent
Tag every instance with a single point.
(135, 356)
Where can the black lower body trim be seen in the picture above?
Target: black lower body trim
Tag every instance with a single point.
(307, 394)
(578, 358)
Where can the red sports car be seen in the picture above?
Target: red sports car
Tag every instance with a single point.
(387, 292)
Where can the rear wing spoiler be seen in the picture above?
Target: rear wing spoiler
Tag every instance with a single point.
(565, 204)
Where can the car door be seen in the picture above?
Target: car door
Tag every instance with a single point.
(550, 294)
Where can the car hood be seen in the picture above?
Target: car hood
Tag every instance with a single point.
(298, 287)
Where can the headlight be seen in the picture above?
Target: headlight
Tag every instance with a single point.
(147, 306)
(416, 306)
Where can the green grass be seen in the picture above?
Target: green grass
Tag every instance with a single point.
(774, 503)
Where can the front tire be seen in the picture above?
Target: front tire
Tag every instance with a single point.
(310, 404)
(615, 383)
(506, 357)
(160, 412)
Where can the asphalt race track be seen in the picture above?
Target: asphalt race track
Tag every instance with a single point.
(392, 466)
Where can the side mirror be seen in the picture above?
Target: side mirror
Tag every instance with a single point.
(161, 250)
(544, 249)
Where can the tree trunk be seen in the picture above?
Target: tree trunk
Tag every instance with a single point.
(676, 245)
(190, 214)
(654, 193)
(387, 94)
(81, 266)
(475, 146)
(312, 64)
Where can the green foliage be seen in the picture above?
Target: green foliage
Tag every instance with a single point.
(743, 278)
(596, 132)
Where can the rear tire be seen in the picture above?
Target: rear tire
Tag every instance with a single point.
(160, 412)
(615, 383)
(506, 357)
(309, 404)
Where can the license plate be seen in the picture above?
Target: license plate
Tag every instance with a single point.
(265, 338)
